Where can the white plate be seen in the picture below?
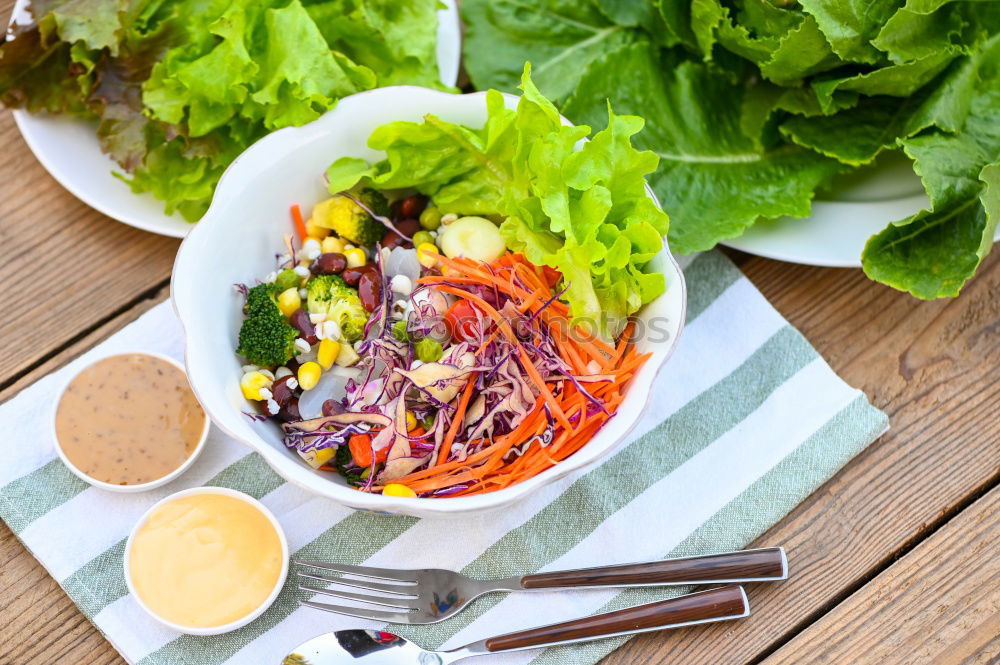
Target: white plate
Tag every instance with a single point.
(857, 206)
(68, 147)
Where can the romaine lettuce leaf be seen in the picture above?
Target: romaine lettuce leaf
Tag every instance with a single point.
(850, 25)
(714, 178)
(559, 38)
(895, 80)
(933, 253)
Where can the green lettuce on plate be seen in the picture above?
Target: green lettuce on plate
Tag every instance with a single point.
(753, 106)
(583, 212)
(179, 88)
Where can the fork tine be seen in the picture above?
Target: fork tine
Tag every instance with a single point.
(408, 590)
(364, 571)
(398, 603)
(375, 615)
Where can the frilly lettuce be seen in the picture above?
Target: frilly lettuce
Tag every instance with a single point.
(180, 87)
(582, 211)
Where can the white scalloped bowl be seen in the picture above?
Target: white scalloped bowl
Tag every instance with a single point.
(238, 238)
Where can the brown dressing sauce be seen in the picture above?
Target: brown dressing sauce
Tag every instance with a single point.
(129, 419)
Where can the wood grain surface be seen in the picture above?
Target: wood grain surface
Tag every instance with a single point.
(947, 590)
(888, 559)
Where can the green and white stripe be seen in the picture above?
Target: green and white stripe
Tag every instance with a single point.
(747, 421)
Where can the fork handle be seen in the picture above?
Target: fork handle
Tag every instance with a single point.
(729, 602)
(761, 565)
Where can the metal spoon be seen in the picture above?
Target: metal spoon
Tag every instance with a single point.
(373, 647)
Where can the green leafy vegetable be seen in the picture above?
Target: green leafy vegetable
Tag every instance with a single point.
(933, 253)
(583, 212)
(710, 168)
(181, 87)
(753, 105)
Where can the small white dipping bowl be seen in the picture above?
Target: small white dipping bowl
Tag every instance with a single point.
(225, 628)
(237, 240)
(141, 487)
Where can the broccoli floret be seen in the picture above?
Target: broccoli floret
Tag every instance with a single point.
(321, 289)
(331, 294)
(351, 316)
(348, 220)
(266, 337)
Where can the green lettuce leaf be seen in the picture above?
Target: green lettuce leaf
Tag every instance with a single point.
(95, 23)
(909, 35)
(855, 136)
(787, 45)
(582, 211)
(850, 25)
(714, 178)
(559, 38)
(895, 80)
(933, 253)
(396, 39)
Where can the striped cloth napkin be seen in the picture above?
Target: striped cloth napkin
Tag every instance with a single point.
(747, 421)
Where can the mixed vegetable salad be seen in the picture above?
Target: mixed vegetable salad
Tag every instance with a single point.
(427, 331)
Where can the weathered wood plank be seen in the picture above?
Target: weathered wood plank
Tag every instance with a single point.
(939, 604)
(65, 267)
(82, 344)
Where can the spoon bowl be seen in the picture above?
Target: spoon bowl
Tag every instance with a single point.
(365, 647)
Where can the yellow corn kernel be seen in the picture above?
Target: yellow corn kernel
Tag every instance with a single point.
(332, 245)
(289, 301)
(411, 421)
(427, 253)
(309, 373)
(327, 353)
(398, 489)
(252, 382)
(355, 257)
(314, 230)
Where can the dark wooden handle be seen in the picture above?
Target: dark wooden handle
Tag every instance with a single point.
(745, 566)
(727, 602)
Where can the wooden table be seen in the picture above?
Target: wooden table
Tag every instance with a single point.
(896, 560)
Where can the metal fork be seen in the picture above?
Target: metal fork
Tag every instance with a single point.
(430, 595)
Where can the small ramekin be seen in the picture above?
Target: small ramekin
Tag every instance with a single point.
(225, 628)
(141, 487)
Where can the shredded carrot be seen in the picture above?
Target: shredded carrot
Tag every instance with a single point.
(456, 421)
(513, 457)
(300, 224)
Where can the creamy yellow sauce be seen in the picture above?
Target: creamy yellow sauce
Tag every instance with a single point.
(205, 560)
(129, 419)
